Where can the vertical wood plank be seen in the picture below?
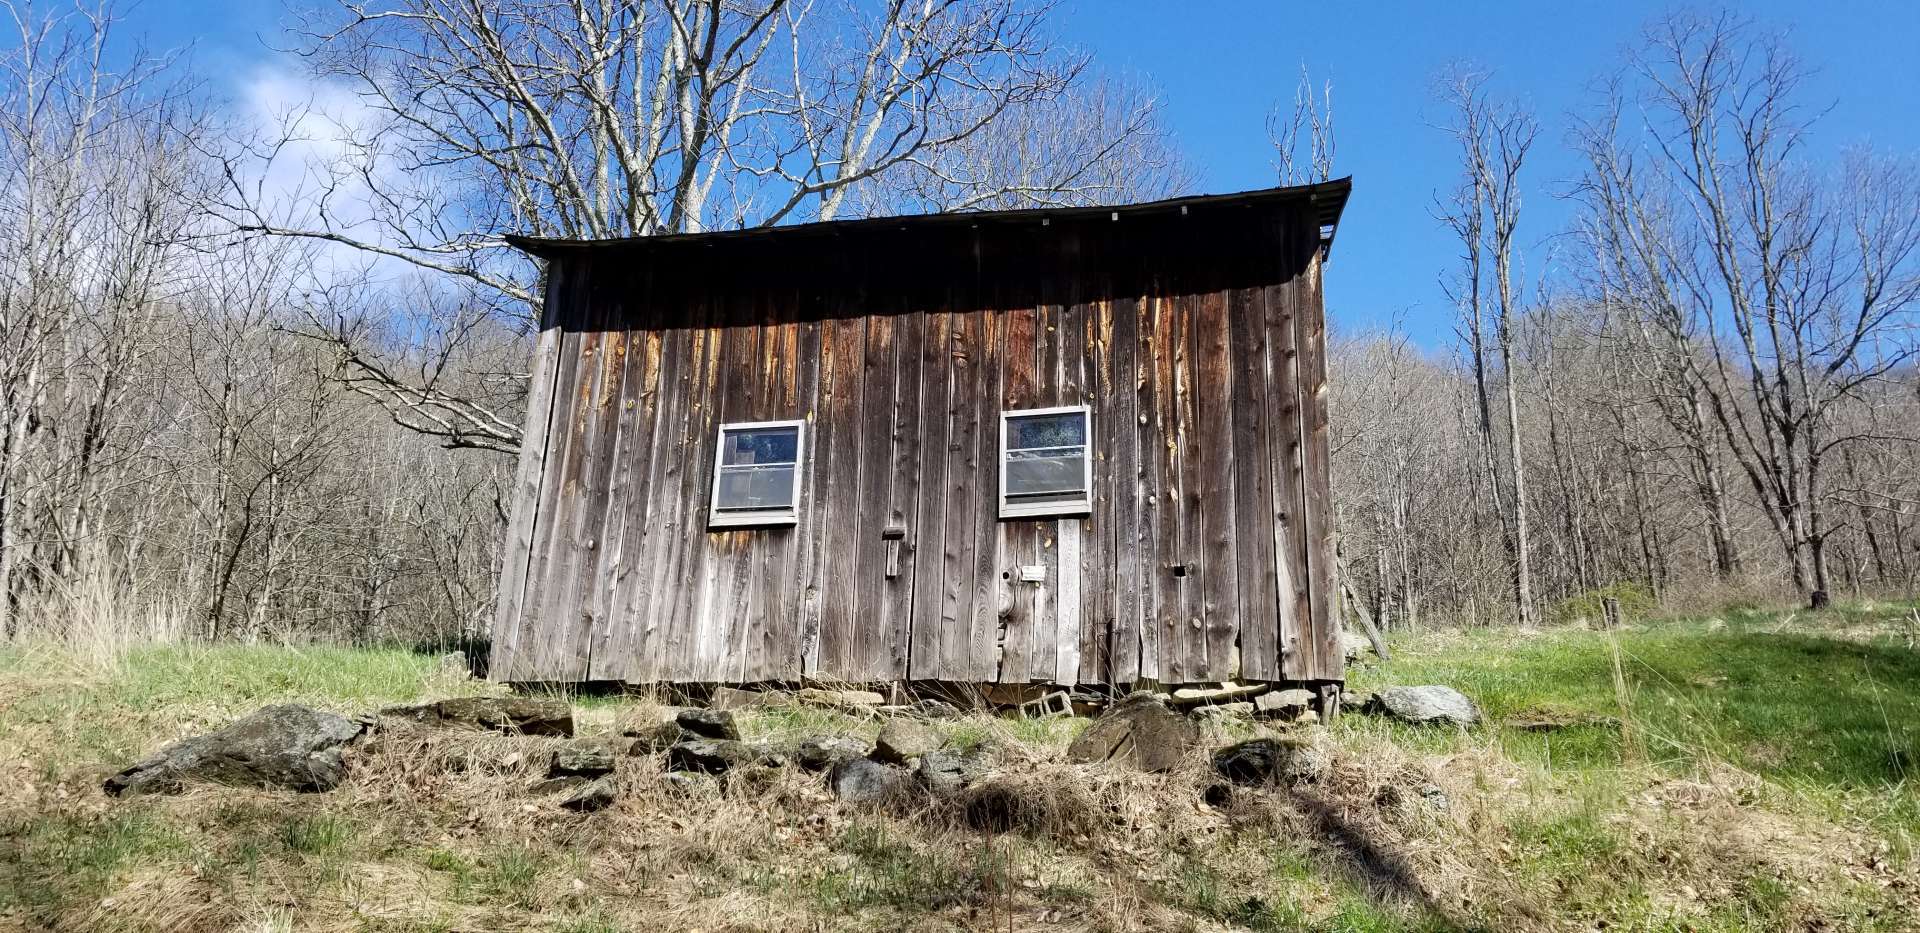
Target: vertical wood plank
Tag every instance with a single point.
(933, 415)
(1215, 503)
(1185, 500)
(961, 497)
(1160, 449)
(1259, 607)
(564, 654)
(671, 611)
(530, 475)
(897, 360)
(627, 467)
(1311, 338)
(1099, 558)
(1127, 431)
(850, 526)
(1290, 544)
(983, 573)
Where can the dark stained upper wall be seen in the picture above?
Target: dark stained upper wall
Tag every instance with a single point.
(1192, 329)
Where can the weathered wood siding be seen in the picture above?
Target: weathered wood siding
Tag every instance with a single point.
(1197, 340)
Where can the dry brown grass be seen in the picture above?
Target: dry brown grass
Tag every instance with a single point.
(439, 831)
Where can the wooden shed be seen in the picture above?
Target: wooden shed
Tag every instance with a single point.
(1081, 446)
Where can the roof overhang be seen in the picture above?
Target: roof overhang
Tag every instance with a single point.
(1327, 200)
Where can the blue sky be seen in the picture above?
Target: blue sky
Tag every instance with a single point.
(1221, 65)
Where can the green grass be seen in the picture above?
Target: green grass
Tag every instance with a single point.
(1793, 706)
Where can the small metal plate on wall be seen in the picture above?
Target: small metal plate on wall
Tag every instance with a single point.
(1033, 573)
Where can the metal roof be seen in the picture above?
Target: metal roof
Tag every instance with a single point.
(1328, 198)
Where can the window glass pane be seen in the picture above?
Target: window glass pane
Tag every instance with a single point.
(1063, 430)
(760, 445)
(1032, 473)
(756, 487)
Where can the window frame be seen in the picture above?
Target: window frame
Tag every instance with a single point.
(788, 514)
(1054, 507)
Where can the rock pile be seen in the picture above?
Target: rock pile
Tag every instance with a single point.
(915, 753)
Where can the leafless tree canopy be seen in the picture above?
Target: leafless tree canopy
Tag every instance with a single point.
(1719, 394)
(591, 118)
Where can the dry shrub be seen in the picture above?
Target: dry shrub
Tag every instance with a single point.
(87, 627)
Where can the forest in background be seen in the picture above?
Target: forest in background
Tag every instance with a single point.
(264, 382)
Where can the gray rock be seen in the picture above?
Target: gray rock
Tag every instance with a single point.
(524, 715)
(288, 747)
(904, 739)
(840, 699)
(657, 737)
(1355, 645)
(554, 785)
(1223, 711)
(1428, 704)
(863, 780)
(710, 756)
(945, 770)
(1285, 704)
(823, 752)
(1140, 731)
(596, 795)
(588, 759)
(709, 723)
(687, 782)
(1288, 760)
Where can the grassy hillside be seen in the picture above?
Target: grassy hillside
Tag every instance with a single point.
(1743, 772)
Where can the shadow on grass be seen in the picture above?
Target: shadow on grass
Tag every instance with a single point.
(1390, 876)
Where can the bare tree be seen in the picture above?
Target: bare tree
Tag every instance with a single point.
(585, 118)
(1312, 115)
(1484, 212)
(1779, 295)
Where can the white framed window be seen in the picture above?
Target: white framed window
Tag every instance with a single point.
(1045, 466)
(756, 474)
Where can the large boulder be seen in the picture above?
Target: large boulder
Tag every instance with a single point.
(904, 739)
(287, 747)
(1423, 705)
(524, 715)
(863, 780)
(1140, 731)
(1281, 760)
